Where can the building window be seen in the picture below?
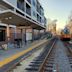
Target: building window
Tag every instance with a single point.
(38, 7)
(34, 14)
(34, 3)
(28, 9)
(38, 18)
(20, 4)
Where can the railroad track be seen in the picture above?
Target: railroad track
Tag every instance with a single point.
(69, 52)
(18, 63)
(44, 62)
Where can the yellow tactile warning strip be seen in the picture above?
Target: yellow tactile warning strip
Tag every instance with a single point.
(7, 60)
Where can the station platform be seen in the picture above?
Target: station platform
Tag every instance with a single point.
(12, 56)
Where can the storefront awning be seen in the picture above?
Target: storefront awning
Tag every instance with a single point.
(13, 18)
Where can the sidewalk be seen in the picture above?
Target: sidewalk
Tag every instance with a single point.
(13, 51)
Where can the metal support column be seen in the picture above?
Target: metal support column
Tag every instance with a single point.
(25, 36)
(39, 34)
(21, 37)
(8, 36)
(32, 34)
(8, 33)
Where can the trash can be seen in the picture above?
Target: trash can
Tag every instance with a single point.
(18, 42)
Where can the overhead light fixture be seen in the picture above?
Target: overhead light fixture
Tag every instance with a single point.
(10, 17)
(6, 18)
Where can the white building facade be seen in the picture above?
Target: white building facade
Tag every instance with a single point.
(28, 8)
(25, 13)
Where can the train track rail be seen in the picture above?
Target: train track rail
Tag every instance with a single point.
(18, 61)
(44, 62)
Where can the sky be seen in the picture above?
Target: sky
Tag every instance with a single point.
(57, 9)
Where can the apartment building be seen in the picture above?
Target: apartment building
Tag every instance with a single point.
(18, 17)
(51, 27)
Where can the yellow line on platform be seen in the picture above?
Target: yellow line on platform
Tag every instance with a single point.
(8, 60)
